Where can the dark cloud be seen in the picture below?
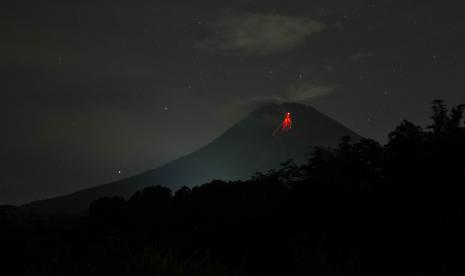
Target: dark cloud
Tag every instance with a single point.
(306, 92)
(361, 56)
(299, 93)
(259, 34)
(252, 103)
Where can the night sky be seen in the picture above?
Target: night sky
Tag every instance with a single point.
(94, 91)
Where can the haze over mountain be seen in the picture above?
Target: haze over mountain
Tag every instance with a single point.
(247, 147)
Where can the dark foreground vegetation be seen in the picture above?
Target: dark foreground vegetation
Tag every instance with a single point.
(360, 209)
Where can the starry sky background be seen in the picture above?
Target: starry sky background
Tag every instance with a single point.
(94, 91)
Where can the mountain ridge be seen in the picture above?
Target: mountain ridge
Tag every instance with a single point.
(245, 148)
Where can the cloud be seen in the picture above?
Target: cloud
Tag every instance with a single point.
(259, 34)
(303, 93)
(250, 104)
(361, 55)
(306, 92)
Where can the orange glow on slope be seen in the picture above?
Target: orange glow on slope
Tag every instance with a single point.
(286, 125)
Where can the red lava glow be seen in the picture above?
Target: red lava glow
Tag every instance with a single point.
(286, 125)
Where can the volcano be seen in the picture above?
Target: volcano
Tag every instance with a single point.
(247, 147)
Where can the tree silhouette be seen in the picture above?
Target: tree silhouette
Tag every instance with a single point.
(361, 208)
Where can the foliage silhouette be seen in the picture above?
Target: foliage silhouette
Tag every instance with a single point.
(360, 209)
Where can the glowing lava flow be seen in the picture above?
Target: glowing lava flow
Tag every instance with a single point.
(286, 125)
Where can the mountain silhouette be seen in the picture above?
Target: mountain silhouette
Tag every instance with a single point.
(251, 145)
